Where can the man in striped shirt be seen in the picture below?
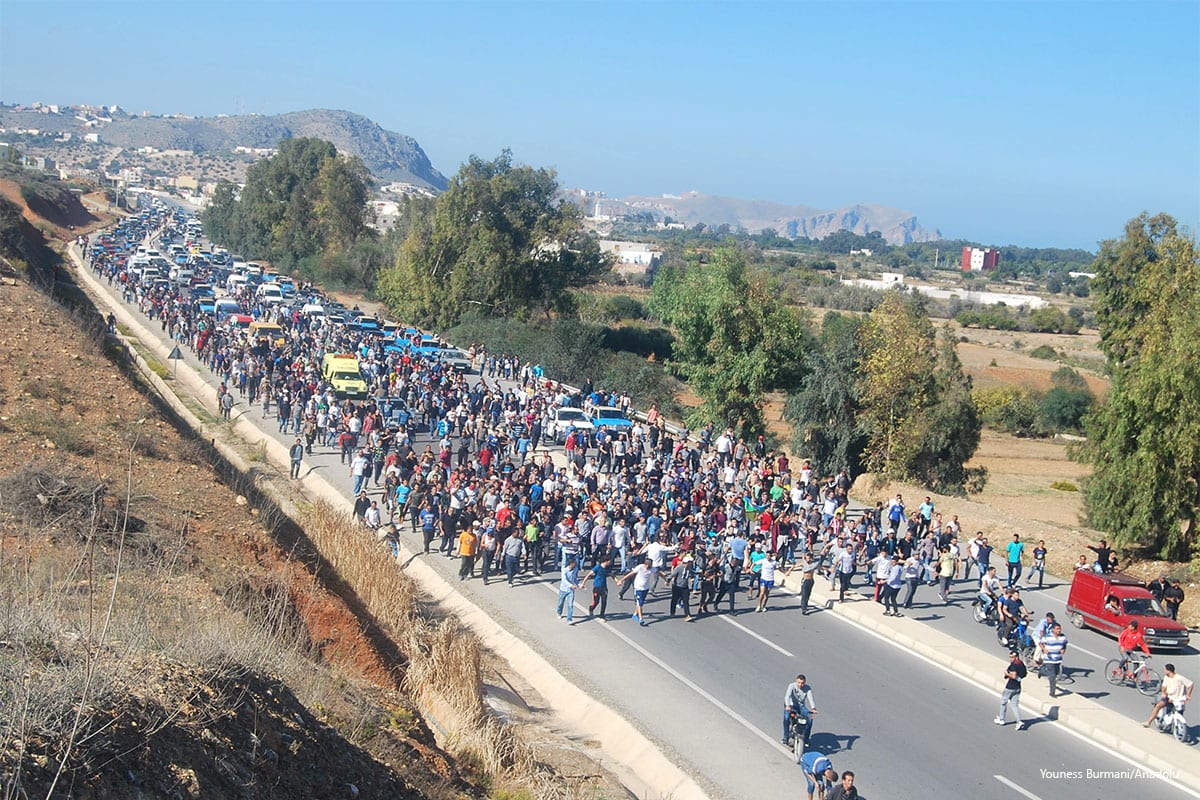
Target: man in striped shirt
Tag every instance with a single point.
(1053, 646)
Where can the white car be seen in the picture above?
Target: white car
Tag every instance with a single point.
(563, 420)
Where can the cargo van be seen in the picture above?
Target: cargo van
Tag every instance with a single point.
(1087, 607)
(342, 372)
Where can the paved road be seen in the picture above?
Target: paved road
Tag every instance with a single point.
(711, 692)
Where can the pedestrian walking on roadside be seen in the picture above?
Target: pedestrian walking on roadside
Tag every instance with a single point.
(567, 585)
(845, 567)
(468, 547)
(768, 568)
(912, 579)
(945, 573)
(1014, 673)
(642, 576)
(1015, 550)
(513, 551)
(599, 577)
(297, 454)
(1039, 562)
(891, 587)
(1053, 647)
(681, 587)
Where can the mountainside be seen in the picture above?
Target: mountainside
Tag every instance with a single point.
(388, 155)
(896, 226)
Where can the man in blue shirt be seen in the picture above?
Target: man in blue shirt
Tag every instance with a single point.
(818, 772)
(566, 590)
(1015, 549)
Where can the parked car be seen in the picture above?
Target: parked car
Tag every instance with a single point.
(1087, 606)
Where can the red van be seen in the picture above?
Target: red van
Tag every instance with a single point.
(1087, 606)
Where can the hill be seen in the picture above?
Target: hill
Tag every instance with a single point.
(390, 156)
(895, 225)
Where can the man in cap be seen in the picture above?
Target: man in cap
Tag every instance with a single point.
(681, 586)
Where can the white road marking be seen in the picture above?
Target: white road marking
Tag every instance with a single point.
(690, 684)
(1015, 788)
(761, 638)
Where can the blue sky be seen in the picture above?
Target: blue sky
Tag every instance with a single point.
(1043, 124)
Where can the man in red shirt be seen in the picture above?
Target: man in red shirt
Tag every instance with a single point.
(1131, 639)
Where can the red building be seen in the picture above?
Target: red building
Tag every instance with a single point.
(975, 259)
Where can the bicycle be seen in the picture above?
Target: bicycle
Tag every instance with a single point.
(1135, 671)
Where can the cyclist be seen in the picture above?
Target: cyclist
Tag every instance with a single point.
(818, 773)
(989, 590)
(798, 699)
(1131, 639)
(1176, 690)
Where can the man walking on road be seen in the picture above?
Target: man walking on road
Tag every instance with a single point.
(1011, 694)
(1015, 550)
(1053, 647)
(297, 454)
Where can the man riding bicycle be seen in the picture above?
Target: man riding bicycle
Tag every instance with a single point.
(798, 699)
(989, 590)
(1130, 640)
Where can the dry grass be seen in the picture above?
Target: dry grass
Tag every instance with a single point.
(444, 659)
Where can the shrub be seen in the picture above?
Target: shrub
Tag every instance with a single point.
(1063, 409)
(1011, 409)
(1064, 486)
(1044, 351)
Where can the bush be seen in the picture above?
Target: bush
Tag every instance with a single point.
(1010, 409)
(642, 341)
(1064, 486)
(572, 351)
(1044, 351)
(1063, 409)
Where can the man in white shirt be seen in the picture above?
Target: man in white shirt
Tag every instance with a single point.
(1174, 689)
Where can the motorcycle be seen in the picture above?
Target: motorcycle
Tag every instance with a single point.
(800, 733)
(1170, 719)
(988, 616)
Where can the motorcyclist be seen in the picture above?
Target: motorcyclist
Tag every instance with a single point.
(797, 699)
(989, 590)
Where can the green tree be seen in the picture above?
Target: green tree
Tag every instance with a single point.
(301, 204)
(497, 240)
(735, 339)
(1143, 441)
(824, 410)
(921, 420)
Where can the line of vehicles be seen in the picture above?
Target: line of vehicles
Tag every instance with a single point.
(226, 286)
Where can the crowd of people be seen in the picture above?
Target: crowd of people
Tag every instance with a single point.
(706, 515)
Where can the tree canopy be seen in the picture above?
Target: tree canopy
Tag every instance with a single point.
(498, 241)
(1144, 439)
(917, 409)
(735, 339)
(304, 202)
(824, 410)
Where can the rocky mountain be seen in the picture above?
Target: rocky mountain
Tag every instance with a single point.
(388, 155)
(895, 225)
